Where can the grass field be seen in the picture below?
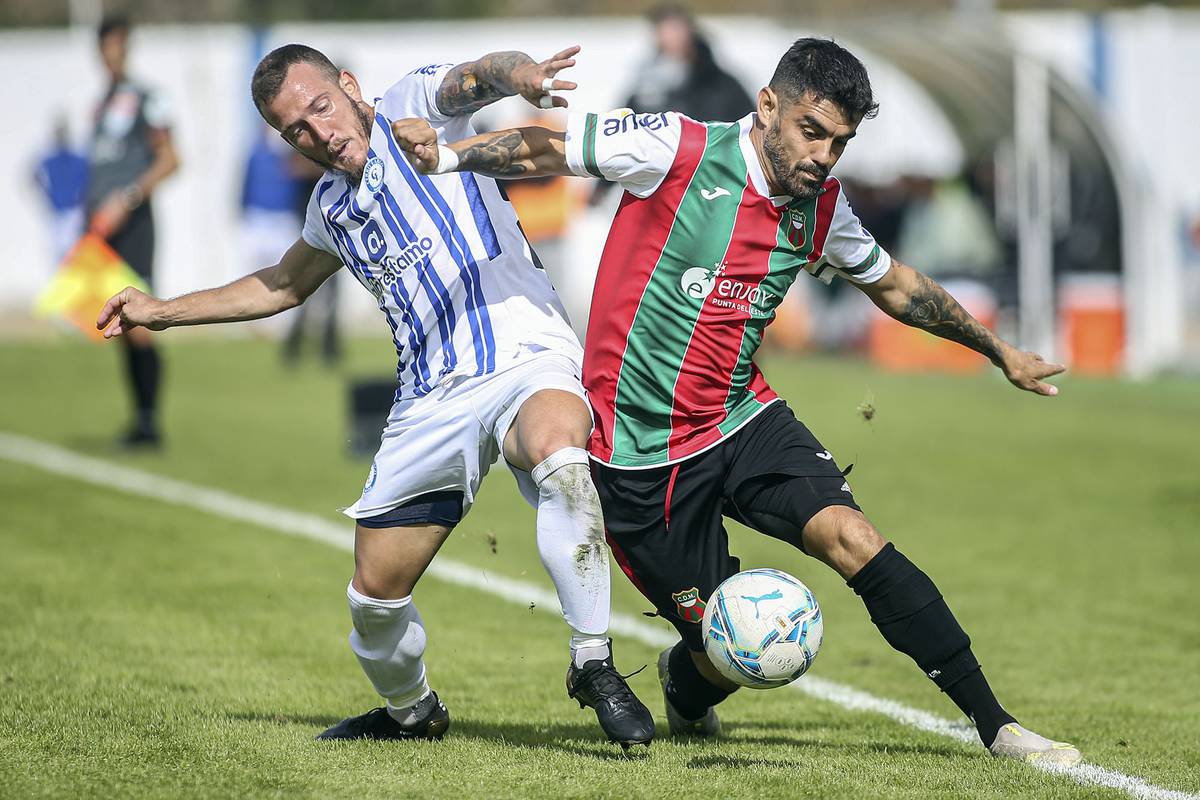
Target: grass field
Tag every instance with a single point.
(151, 650)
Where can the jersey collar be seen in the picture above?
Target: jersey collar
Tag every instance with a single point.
(758, 178)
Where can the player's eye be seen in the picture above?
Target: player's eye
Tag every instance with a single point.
(811, 134)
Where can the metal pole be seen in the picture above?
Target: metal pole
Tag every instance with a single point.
(1035, 254)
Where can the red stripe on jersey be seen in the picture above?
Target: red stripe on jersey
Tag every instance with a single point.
(826, 204)
(706, 374)
(626, 567)
(635, 243)
(667, 501)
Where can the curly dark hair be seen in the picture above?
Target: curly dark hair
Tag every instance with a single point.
(828, 71)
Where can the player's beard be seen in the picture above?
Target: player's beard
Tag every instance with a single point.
(366, 118)
(788, 176)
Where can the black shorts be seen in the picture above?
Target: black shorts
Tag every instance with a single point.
(134, 242)
(665, 526)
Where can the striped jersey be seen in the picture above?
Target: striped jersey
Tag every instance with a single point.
(698, 258)
(443, 255)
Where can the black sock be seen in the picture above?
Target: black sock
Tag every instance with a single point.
(145, 369)
(690, 693)
(909, 611)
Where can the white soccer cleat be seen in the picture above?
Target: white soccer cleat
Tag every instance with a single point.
(1015, 741)
(708, 726)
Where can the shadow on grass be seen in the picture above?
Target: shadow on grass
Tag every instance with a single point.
(581, 739)
(585, 739)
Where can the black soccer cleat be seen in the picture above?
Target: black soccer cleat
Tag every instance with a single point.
(432, 723)
(622, 716)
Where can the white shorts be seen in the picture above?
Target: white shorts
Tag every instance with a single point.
(449, 439)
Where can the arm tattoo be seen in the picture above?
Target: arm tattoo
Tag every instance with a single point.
(494, 156)
(473, 85)
(930, 307)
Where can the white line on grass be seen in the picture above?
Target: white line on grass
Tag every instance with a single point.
(100, 472)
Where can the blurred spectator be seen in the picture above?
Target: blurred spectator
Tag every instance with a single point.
(269, 189)
(62, 176)
(131, 153)
(322, 304)
(947, 230)
(683, 75)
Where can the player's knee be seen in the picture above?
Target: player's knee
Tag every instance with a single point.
(381, 584)
(550, 441)
(843, 538)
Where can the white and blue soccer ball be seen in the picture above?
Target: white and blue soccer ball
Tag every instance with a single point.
(762, 628)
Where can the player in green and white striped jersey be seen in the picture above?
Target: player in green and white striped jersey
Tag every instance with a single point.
(717, 221)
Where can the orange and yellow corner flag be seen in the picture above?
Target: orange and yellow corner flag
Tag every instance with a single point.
(90, 274)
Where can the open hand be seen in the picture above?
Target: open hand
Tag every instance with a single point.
(131, 309)
(417, 138)
(529, 79)
(1025, 370)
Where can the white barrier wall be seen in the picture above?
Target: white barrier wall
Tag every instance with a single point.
(204, 71)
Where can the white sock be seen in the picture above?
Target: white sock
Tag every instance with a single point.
(570, 539)
(585, 648)
(389, 640)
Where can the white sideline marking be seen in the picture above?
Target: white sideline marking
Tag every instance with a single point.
(100, 472)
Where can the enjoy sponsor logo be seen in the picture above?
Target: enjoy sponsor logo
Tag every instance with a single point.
(711, 285)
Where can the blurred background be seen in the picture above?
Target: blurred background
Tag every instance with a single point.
(1038, 158)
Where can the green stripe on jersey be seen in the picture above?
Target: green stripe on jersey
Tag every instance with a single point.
(796, 227)
(589, 145)
(667, 312)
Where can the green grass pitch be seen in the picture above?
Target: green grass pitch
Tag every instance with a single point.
(149, 650)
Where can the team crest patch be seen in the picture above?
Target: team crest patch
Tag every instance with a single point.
(797, 229)
(688, 605)
(373, 175)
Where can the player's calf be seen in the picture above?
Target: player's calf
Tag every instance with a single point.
(688, 695)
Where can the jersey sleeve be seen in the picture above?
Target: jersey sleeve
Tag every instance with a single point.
(157, 110)
(315, 234)
(850, 250)
(634, 150)
(415, 95)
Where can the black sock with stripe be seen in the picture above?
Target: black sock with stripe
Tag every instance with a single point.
(909, 611)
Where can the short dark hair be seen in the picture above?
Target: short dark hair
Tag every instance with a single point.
(270, 72)
(113, 23)
(828, 71)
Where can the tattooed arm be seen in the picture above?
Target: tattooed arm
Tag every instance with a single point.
(514, 153)
(471, 86)
(917, 300)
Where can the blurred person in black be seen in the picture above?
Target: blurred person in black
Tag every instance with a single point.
(683, 75)
(131, 153)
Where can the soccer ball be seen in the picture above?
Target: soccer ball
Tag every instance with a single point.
(762, 628)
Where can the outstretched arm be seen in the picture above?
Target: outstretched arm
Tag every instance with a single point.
(471, 86)
(261, 294)
(917, 300)
(513, 153)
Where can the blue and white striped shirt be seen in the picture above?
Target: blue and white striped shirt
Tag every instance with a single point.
(442, 254)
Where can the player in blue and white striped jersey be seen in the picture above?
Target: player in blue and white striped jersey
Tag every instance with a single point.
(487, 364)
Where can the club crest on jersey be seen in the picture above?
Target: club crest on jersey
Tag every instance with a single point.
(797, 229)
(688, 605)
(373, 174)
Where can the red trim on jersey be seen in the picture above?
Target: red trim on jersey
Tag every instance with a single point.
(635, 244)
(626, 567)
(667, 501)
(716, 344)
(826, 205)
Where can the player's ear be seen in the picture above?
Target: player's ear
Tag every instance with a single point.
(768, 105)
(349, 85)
